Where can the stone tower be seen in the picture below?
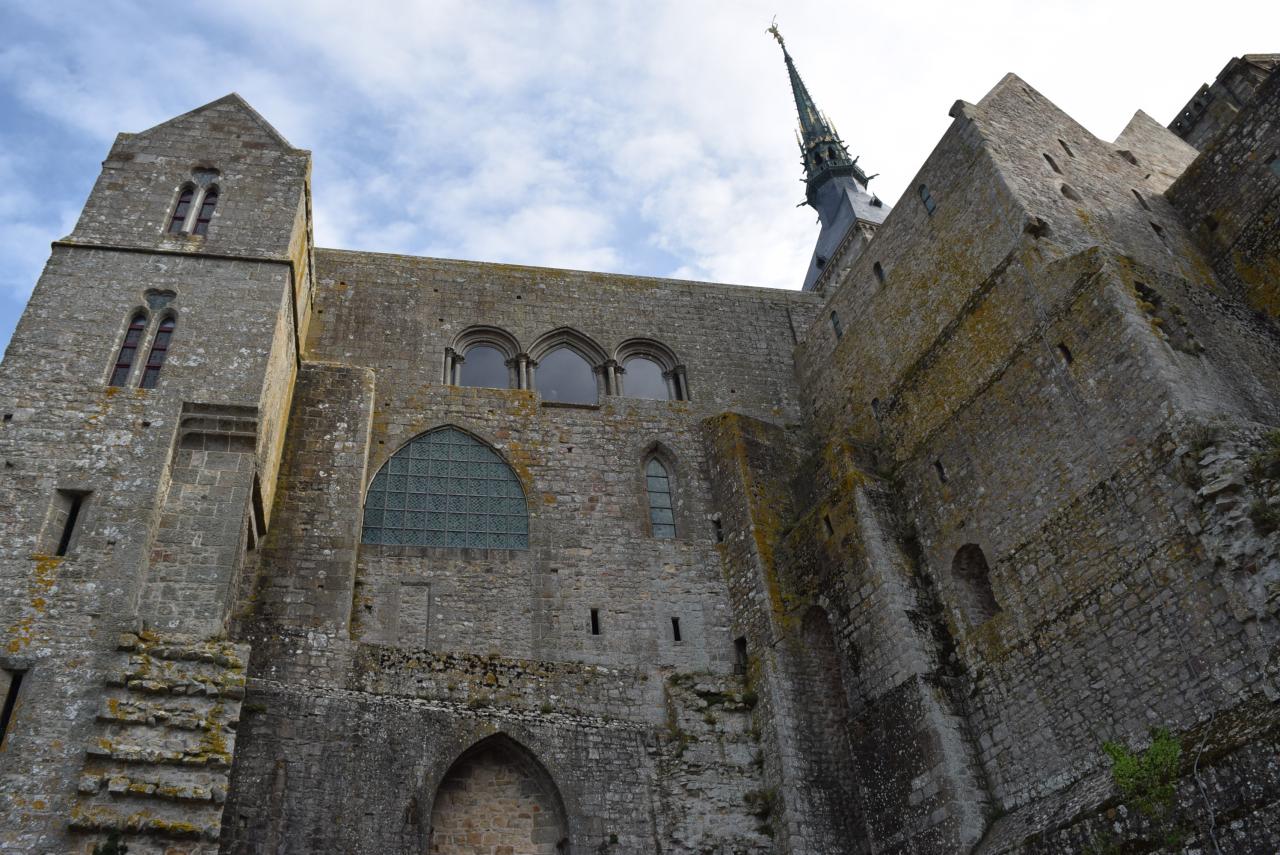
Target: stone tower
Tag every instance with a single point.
(835, 186)
(318, 550)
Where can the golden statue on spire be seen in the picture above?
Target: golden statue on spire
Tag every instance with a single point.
(773, 30)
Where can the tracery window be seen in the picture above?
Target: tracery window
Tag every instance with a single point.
(662, 519)
(128, 350)
(446, 488)
(159, 350)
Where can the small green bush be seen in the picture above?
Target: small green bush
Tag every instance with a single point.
(1147, 779)
(112, 846)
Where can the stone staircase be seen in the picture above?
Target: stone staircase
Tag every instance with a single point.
(158, 764)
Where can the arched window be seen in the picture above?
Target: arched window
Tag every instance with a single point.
(128, 350)
(565, 376)
(180, 211)
(446, 488)
(644, 379)
(835, 326)
(662, 519)
(159, 350)
(927, 198)
(649, 369)
(207, 205)
(972, 579)
(484, 365)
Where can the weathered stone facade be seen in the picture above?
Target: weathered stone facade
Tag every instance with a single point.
(1002, 487)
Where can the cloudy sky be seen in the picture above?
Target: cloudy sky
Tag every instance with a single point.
(648, 137)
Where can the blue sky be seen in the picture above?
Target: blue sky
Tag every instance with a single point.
(651, 137)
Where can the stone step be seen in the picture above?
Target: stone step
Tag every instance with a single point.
(195, 714)
(147, 783)
(98, 817)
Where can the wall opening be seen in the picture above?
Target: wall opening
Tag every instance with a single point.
(14, 680)
(740, 655)
(717, 528)
(1141, 201)
(1053, 164)
(1064, 353)
(1066, 148)
(972, 579)
(1070, 194)
(826, 524)
(940, 471)
(496, 798)
(595, 621)
(675, 629)
(68, 509)
(835, 326)
(878, 270)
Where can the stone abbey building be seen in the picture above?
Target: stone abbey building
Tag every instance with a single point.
(312, 550)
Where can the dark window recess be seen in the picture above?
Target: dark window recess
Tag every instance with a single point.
(159, 350)
(875, 408)
(1211, 222)
(740, 660)
(826, 523)
(1141, 201)
(10, 702)
(1274, 164)
(661, 514)
(819, 262)
(251, 539)
(595, 621)
(128, 350)
(1053, 164)
(1129, 156)
(180, 211)
(973, 581)
(70, 504)
(1159, 230)
(206, 212)
(1070, 194)
(564, 376)
(875, 201)
(1065, 353)
(485, 366)
(1066, 148)
(878, 270)
(675, 629)
(835, 325)
(927, 198)
(718, 528)
(941, 470)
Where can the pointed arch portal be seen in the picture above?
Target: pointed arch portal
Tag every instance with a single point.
(497, 798)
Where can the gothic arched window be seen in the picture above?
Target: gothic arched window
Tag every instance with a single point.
(159, 350)
(657, 481)
(180, 211)
(645, 379)
(207, 205)
(446, 488)
(484, 365)
(128, 350)
(564, 375)
(649, 369)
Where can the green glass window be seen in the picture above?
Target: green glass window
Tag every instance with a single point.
(658, 483)
(446, 488)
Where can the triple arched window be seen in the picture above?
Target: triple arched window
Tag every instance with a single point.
(565, 366)
(197, 200)
(127, 356)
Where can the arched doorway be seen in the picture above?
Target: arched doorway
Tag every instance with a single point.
(497, 799)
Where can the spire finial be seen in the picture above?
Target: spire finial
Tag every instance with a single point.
(773, 30)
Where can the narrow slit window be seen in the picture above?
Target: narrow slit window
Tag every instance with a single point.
(740, 659)
(835, 326)
(658, 485)
(1141, 201)
(180, 211)
(595, 621)
(826, 524)
(675, 629)
(10, 701)
(1066, 148)
(878, 270)
(927, 199)
(1064, 353)
(941, 471)
(69, 509)
(1053, 164)
(205, 216)
(128, 350)
(159, 350)
(717, 528)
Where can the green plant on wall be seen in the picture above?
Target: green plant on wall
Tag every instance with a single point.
(1147, 782)
(112, 846)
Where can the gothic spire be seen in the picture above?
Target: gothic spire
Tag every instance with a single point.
(824, 153)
